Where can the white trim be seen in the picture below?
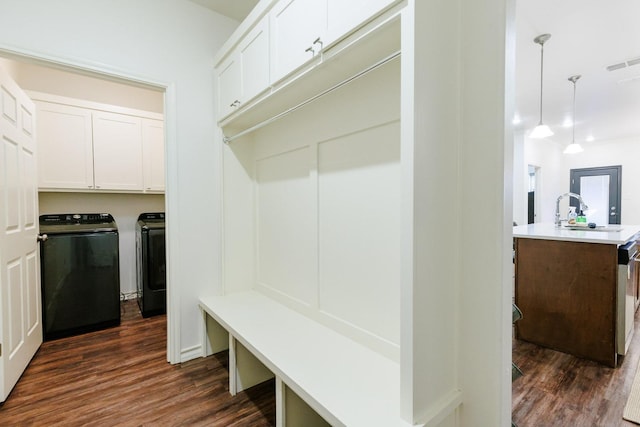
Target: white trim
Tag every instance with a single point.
(443, 408)
(190, 353)
(171, 198)
(171, 208)
(80, 66)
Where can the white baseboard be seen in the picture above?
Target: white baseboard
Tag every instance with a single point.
(125, 296)
(191, 353)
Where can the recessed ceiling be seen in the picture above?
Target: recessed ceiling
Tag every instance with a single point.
(234, 9)
(587, 36)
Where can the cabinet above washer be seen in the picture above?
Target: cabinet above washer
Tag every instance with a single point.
(86, 146)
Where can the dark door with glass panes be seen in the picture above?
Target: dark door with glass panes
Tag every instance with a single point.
(600, 190)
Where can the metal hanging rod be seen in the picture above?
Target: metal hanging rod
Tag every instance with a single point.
(229, 139)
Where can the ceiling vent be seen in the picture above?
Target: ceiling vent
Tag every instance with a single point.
(624, 64)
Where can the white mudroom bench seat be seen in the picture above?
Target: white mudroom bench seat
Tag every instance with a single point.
(344, 382)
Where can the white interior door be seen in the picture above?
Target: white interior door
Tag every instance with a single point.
(20, 308)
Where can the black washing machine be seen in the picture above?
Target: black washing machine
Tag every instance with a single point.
(150, 264)
(80, 273)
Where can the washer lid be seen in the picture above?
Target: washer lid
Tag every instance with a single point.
(152, 220)
(77, 223)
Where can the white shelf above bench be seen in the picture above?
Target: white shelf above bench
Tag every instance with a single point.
(344, 382)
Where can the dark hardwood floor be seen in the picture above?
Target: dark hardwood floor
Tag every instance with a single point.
(120, 377)
(561, 390)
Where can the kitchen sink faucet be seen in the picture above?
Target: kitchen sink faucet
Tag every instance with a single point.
(583, 206)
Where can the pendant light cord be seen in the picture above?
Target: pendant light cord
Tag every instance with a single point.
(573, 134)
(541, 79)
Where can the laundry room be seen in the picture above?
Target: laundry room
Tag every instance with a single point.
(100, 151)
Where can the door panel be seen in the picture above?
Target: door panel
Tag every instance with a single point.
(591, 183)
(20, 307)
(65, 139)
(295, 25)
(117, 151)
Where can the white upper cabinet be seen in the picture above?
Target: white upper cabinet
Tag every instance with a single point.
(245, 73)
(117, 149)
(153, 155)
(254, 61)
(343, 16)
(86, 146)
(288, 35)
(65, 149)
(297, 31)
(229, 86)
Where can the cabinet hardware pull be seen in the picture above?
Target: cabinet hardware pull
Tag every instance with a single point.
(310, 49)
(318, 40)
(42, 238)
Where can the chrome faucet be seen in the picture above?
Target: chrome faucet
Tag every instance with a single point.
(583, 206)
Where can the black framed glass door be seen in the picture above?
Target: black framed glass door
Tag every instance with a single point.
(600, 188)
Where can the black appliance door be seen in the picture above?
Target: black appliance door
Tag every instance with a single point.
(80, 282)
(155, 263)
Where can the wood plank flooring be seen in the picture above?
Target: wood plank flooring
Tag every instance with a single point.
(120, 377)
(561, 390)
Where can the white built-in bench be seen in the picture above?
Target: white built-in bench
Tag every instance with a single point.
(344, 382)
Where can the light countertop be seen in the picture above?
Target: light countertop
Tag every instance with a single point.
(614, 234)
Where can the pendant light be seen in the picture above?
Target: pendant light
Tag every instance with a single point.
(542, 130)
(573, 147)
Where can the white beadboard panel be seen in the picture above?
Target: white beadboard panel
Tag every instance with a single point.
(286, 224)
(359, 229)
(239, 217)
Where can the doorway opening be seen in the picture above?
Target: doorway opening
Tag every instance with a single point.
(58, 83)
(532, 202)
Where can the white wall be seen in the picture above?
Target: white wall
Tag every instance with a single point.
(11, 67)
(624, 152)
(125, 209)
(555, 167)
(520, 180)
(553, 178)
(171, 43)
(89, 88)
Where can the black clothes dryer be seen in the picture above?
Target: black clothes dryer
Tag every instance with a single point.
(150, 264)
(80, 273)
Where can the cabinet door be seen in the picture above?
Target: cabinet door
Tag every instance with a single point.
(153, 154)
(65, 153)
(229, 86)
(254, 59)
(117, 151)
(344, 16)
(295, 25)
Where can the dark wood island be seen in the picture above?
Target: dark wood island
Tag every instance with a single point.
(566, 284)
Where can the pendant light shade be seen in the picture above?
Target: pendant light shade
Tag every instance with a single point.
(542, 130)
(573, 147)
